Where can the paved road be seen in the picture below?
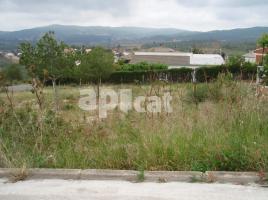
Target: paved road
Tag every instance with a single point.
(119, 190)
(20, 88)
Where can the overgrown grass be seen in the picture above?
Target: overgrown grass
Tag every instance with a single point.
(227, 130)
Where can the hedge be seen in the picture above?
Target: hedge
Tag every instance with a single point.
(128, 76)
(143, 66)
(204, 74)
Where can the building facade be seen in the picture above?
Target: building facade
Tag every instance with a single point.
(260, 53)
(177, 59)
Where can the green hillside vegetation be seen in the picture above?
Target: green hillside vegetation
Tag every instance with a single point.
(113, 36)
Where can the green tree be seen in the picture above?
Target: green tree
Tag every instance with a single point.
(51, 60)
(266, 61)
(235, 64)
(2, 78)
(47, 60)
(263, 42)
(29, 59)
(236, 61)
(196, 50)
(97, 65)
(13, 73)
(75, 61)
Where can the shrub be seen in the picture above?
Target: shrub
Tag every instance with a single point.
(180, 75)
(215, 89)
(68, 107)
(248, 71)
(144, 73)
(143, 66)
(197, 94)
(206, 74)
(13, 73)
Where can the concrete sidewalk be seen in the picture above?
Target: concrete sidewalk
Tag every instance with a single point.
(122, 190)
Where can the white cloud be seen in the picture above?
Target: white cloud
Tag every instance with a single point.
(183, 14)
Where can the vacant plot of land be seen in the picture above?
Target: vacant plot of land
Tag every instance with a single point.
(220, 126)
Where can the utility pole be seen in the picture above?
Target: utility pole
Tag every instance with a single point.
(194, 81)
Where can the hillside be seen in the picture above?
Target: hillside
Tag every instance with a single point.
(78, 35)
(246, 34)
(111, 36)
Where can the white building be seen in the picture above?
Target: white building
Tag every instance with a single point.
(12, 57)
(177, 59)
(250, 57)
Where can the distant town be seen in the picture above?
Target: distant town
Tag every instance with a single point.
(172, 58)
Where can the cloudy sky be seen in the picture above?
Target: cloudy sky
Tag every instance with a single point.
(183, 14)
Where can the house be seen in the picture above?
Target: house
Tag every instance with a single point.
(178, 60)
(250, 57)
(69, 50)
(260, 52)
(88, 50)
(256, 55)
(121, 55)
(12, 57)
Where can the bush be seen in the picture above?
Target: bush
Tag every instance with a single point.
(197, 94)
(68, 107)
(204, 74)
(248, 71)
(173, 75)
(180, 75)
(215, 89)
(143, 66)
(144, 73)
(128, 77)
(13, 73)
(207, 74)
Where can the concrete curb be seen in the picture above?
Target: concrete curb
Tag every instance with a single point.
(94, 174)
(176, 176)
(136, 176)
(240, 178)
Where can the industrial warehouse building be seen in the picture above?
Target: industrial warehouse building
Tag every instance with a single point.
(177, 59)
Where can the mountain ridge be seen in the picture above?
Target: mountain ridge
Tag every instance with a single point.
(110, 36)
